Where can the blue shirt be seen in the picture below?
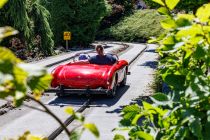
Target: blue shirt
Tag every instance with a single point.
(102, 60)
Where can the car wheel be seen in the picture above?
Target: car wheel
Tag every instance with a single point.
(123, 83)
(113, 91)
(60, 92)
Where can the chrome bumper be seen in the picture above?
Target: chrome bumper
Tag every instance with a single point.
(79, 91)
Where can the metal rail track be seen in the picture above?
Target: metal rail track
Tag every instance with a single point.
(8, 105)
(86, 104)
(69, 120)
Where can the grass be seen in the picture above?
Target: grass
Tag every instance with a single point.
(140, 26)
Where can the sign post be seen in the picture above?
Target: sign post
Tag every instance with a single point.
(67, 37)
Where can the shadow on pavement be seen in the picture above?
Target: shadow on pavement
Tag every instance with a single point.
(70, 100)
(97, 100)
(150, 50)
(151, 64)
(105, 101)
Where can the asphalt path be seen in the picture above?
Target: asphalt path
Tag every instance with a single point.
(105, 113)
(19, 120)
(54, 61)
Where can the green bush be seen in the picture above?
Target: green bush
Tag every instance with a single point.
(137, 27)
(119, 8)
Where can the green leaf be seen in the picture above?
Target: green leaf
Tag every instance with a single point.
(189, 31)
(119, 137)
(153, 110)
(6, 54)
(75, 135)
(70, 111)
(19, 97)
(195, 127)
(79, 117)
(189, 17)
(147, 106)
(7, 31)
(2, 2)
(136, 118)
(129, 115)
(160, 97)
(92, 128)
(199, 52)
(6, 67)
(177, 81)
(143, 135)
(169, 40)
(20, 76)
(38, 84)
(159, 2)
(171, 4)
(125, 122)
(163, 10)
(168, 23)
(182, 22)
(28, 136)
(203, 13)
(181, 133)
(131, 108)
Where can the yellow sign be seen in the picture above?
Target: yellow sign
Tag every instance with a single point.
(67, 35)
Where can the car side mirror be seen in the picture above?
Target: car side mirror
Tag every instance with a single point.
(128, 73)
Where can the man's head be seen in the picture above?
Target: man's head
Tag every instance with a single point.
(100, 50)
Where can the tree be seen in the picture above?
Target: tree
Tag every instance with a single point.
(41, 18)
(80, 17)
(32, 19)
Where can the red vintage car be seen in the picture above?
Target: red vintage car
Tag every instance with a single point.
(79, 78)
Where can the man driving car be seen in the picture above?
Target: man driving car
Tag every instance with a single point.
(101, 58)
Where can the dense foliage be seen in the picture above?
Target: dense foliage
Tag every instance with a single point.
(184, 113)
(31, 20)
(119, 8)
(80, 17)
(137, 27)
(186, 5)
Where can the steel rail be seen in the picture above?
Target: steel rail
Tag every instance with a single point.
(70, 119)
(8, 105)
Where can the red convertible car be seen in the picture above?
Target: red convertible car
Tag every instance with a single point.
(79, 78)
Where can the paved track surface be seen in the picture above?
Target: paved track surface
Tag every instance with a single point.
(19, 120)
(105, 113)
